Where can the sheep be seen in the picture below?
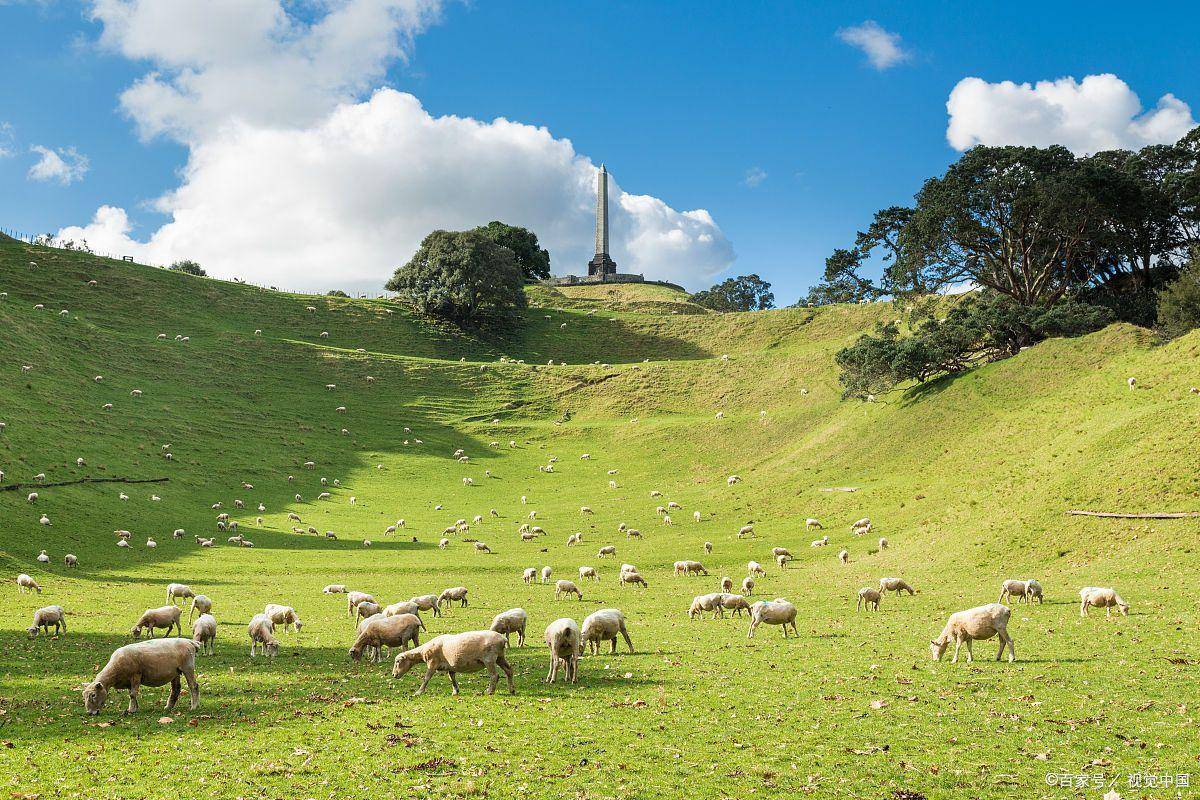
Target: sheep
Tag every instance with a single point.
(811, 523)
(656, 493)
(367, 609)
(773, 612)
(402, 607)
(605, 625)
(200, 603)
(585, 510)
(377, 632)
(822, 542)
(178, 591)
(1132, 383)
(204, 633)
(427, 602)
(163, 617)
(633, 533)
(744, 531)
(443, 543)
(529, 575)
(696, 516)
(1101, 597)
(283, 615)
(153, 663)
(981, 622)
(462, 652)
(354, 599)
(708, 548)
(448, 596)
(726, 584)
(44, 617)
(1033, 590)
(632, 576)
(865, 522)
(31, 497)
(178, 533)
(588, 572)
(895, 585)
(1023, 590)
(262, 636)
(748, 586)
(732, 479)
(883, 543)
(334, 588)
(510, 622)
(868, 597)
(546, 573)
(713, 602)
(607, 550)
(562, 588)
(71, 560)
(689, 568)
(42, 558)
(480, 547)
(563, 641)
(754, 568)
(843, 556)
(574, 539)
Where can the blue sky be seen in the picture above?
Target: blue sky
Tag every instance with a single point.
(682, 101)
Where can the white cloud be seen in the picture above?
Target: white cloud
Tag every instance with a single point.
(320, 189)
(8, 140)
(881, 47)
(1098, 113)
(63, 166)
(754, 177)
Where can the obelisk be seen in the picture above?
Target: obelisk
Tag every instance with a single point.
(601, 264)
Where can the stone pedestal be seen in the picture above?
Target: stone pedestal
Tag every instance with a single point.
(601, 266)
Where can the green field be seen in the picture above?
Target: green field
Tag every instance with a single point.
(967, 478)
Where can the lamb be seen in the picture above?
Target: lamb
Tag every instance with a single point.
(1132, 383)
(1023, 590)
(563, 641)
(607, 550)
(510, 622)
(283, 615)
(754, 568)
(588, 572)
(462, 652)
(354, 599)
(868, 597)
(1101, 597)
(204, 633)
(427, 602)
(811, 523)
(773, 612)
(375, 633)
(46, 616)
(696, 516)
(746, 530)
(605, 625)
(748, 586)
(443, 543)
(334, 588)
(32, 497)
(633, 533)
(178, 591)
(529, 575)
(562, 588)
(163, 617)
(200, 603)
(707, 602)
(153, 663)
(895, 585)
(981, 622)
(448, 596)
(585, 510)
(735, 603)
(732, 479)
(262, 635)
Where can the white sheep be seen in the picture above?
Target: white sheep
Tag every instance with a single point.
(153, 663)
(883, 543)
(283, 615)
(562, 588)
(204, 633)
(586, 573)
(71, 560)
(811, 523)
(607, 550)
(748, 586)
(163, 617)
(448, 596)
(46, 616)
(427, 602)
(379, 631)
(563, 641)
(868, 597)
(604, 626)
(1022, 590)
(895, 585)
(822, 542)
(462, 652)
(179, 591)
(510, 622)
(334, 588)
(981, 622)
(773, 612)
(200, 603)
(843, 556)
(1101, 597)
(262, 636)
(43, 558)
(754, 568)
(355, 599)
(689, 567)
(713, 603)
(529, 575)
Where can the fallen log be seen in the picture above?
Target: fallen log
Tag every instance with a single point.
(12, 487)
(1114, 515)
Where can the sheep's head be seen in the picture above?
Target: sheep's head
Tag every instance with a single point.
(298, 624)
(136, 631)
(271, 647)
(355, 653)
(94, 697)
(33, 631)
(937, 648)
(404, 662)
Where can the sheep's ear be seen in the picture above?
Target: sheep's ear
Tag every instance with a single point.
(934, 641)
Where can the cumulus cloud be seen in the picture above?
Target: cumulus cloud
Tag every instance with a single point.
(63, 166)
(754, 177)
(1101, 112)
(319, 187)
(881, 47)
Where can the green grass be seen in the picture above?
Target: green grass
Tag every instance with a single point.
(967, 478)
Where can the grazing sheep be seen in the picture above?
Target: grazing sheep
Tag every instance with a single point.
(631, 577)
(696, 516)
(566, 587)
(204, 633)
(746, 530)
(1033, 591)
(162, 617)
(403, 607)
(864, 523)
(588, 572)
(31, 497)
(689, 567)
(883, 543)
(334, 588)
(283, 615)
(585, 510)
(1023, 590)
(377, 632)
(708, 548)
(355, 599)
(844, 556)
(366, 609)
(262, 636)
(754, 568)
(563, 641)
(71, 560)
(427, 602)
(480, 547)
(726, 584)
(604, 626)
(735, 603)
(1101, 597)
(510, 622)
(200, 603)
(574, 539)
(811, 523)
(153, 663)
(529, 575)
(607, 550)
(773, 612)
(895, 585)
(443, 543)
(732, 479)
(546, 573)
(748, 586)
(982, 622)
(781, 560)
(869, 597)
(633, 533)
(781, 551)
(448, 596)
(713, 602)
(460, 652)
(44, 617)
(178, 591)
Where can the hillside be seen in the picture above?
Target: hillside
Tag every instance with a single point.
(967, 478)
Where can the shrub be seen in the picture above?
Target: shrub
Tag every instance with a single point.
(1179, 301)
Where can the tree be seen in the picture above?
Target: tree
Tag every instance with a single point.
(1179, 301)
(336, 293)
(531, 258)
(190, 267)
(743, 293)
(462, 276)
(841, 282)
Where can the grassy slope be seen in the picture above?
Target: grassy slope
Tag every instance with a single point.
(967, 480)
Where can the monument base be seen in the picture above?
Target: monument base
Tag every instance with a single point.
(602, 266)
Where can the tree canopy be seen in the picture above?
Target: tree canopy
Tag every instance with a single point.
(533, 260)
(461, 276)
(743, 293)
(190, 267)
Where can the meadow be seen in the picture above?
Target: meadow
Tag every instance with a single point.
(968, 479)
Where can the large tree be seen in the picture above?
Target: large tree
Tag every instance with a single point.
(533, 260)
(462, 276)
(743, 293)
(190, 267)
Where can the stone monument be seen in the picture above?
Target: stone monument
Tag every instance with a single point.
(601, 266)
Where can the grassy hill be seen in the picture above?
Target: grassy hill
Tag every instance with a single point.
(967, 478)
